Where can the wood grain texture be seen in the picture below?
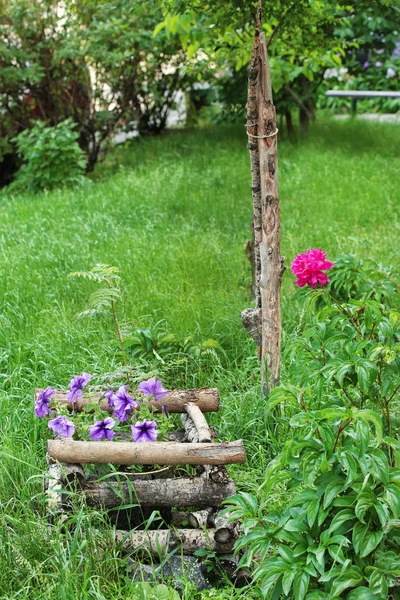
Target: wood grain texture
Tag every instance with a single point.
(146, 453)
(272, 267)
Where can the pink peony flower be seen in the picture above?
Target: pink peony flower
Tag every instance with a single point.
(309, 267)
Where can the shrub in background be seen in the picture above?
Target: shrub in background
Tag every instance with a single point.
(51, 157)
(95, 62)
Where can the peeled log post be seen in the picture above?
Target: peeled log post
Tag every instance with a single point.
(146, 453)
(252, 130)
(199, 420)
(272, 267)
(164, 540)
(174, 492)
(251, 317)
(207, 399)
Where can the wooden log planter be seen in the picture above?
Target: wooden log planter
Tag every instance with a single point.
(200, 526)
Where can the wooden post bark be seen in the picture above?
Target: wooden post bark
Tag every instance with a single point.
(272, 267)
(268, 263)
(251, 317)
(252, 130)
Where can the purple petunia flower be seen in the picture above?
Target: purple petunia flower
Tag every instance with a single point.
(123, 404)
(366, 64)
(102, 430)
(378, 63)
(62, 426)
(42, 404)
(109, 394)
(144, 431)
(153, 387)
(76, 386)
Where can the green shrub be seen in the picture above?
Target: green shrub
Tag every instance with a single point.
(51, 157)
(339, 534)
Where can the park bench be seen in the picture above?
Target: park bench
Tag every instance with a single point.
(357, 94)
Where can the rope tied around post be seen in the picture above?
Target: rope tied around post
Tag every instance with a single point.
(260, 137)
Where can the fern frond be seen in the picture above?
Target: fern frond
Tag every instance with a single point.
(104, 297)
(100, 273)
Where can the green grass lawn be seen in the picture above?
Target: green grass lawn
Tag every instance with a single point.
(173, 213)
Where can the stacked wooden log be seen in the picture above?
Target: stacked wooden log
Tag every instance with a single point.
(200, 526)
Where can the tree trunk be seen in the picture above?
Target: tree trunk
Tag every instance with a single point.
(146, 453)
(271, 260)
(174, 492)
(290, 126)
(303, 120)
(309, 101)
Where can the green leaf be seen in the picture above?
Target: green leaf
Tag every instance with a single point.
(312, 511)
(379, 466)
(362, 593)
(378, 584)
(350, 578)
(343, 516)
(300, 585)
(362, 377)
(287, 581)
(370, 415)
(333, 489)
(349, 464)
(393, 497)
(364, 502)
(370, 542)
(359, 532)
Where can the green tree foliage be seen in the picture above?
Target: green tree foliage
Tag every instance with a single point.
(305, 37)
(94, 62)
(372, 61)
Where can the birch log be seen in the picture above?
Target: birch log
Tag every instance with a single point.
(146, 453)
(200, 518)
(164, 540)
(207, 399)
(270, 254)
(196, 426)
(225, 530)
(174, 492)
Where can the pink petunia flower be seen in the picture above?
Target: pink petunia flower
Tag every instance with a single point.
(309, 267)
